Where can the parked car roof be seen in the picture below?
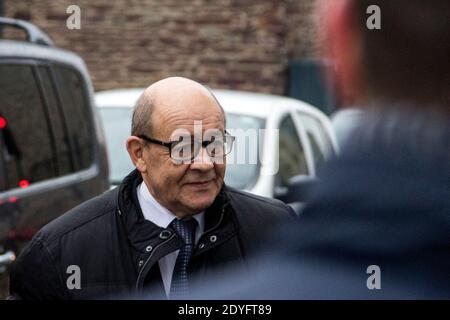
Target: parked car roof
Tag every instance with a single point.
(238, 102)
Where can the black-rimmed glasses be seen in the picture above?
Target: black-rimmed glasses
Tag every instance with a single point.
(186, 149)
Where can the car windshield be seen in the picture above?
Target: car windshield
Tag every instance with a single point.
(117, 126)
(244, 174)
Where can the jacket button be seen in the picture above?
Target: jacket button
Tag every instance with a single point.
(213, 239)
(149, 248)
(165, 234)
(201, 246)
(141, 263)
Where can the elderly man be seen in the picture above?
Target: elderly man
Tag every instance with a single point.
(172, 221)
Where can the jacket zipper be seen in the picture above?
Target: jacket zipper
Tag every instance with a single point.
(148, 259)
(212, 228)
(218, 223)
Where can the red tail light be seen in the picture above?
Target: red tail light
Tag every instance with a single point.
(24, 183)
(2, 123)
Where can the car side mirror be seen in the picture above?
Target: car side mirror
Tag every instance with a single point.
(299, 189)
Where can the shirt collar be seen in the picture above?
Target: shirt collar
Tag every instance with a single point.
(156, 213)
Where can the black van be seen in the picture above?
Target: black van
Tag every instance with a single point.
(52, 149)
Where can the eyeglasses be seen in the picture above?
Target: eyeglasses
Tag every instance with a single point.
(186, 149)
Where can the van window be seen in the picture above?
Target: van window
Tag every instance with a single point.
(57, 123)
(78, 115)
(27, 149)
(292, 160)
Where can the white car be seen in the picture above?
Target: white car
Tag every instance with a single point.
(305, 137)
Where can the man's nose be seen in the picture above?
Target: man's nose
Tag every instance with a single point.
(202, 161)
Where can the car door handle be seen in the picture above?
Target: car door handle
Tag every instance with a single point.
(6, 259)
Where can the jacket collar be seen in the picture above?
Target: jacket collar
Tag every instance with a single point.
(138, 229)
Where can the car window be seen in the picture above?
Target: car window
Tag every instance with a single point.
(320, 142)
(244, 174)
(292, 159)
(57, 123)
(26, 145)
(78, 115)
(117, 126)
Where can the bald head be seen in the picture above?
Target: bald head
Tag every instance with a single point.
(174, 95)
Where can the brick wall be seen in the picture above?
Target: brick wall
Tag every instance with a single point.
(234, 44)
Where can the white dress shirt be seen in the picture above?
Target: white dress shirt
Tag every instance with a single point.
(162, 217)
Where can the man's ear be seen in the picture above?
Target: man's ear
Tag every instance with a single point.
(135, 149)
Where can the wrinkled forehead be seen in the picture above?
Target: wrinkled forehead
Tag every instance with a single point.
(195, 113)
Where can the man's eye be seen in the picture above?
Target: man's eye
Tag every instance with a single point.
(182, 149)
(182, 144)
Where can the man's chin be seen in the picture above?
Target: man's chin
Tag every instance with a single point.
(198, 200)
(199, 205)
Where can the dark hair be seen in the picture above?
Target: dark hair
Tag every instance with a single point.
(409, 58)
(141, 122)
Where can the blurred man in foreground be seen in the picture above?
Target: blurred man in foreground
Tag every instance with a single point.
(378, 226)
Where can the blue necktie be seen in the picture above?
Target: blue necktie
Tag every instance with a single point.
(186, 231)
